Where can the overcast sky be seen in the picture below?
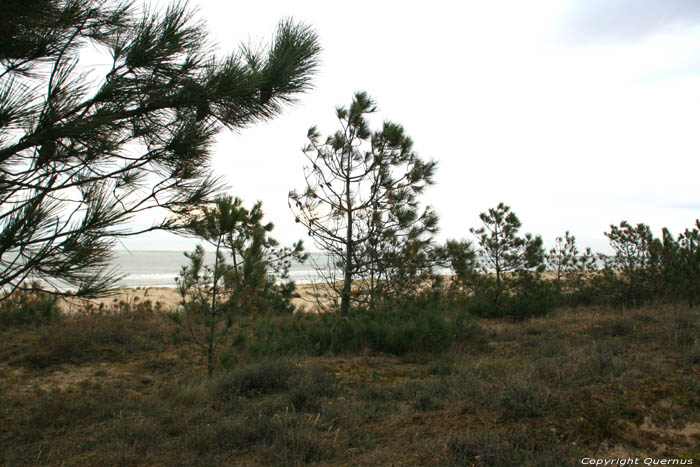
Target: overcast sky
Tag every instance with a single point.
(577, 114)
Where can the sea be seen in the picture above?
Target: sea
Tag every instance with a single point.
(151, 268)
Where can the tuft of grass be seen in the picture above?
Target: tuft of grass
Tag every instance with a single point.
(255, 379)
(295, 440)
(622, 327)
(498, 448)
(440, 368)
(305, 385)
(523, 397)
(310, 386)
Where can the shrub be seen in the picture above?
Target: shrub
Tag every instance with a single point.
(440, 368)
(391, 331)
(530, 296)
(603, 361)
(464, 328)
(295, 440)
(550, 347)
(291, 335)
(400, 332)
(693, 357)
(310, 386)
(106, 336)
(251, 380)
(505, 448)
(425, 402)
(622, 327)
(522, 398)
(465, 386)
(533, 297)
(306, 385)
(29, 307)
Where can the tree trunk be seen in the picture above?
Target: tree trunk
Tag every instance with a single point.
(347, 280)
(212, 324)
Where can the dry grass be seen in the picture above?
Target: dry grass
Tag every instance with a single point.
(120, 388)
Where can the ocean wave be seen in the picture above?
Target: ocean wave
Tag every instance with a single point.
(150, 276)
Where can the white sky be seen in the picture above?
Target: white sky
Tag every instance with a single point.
(577, 114)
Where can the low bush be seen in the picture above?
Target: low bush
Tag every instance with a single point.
(390, 331)
(103, 336)
(288, 438)
(523, 398)
(533, 297)
(604, 361)
(270, 376)
(310, 387)
(29, 307)
(528, 297)
(254, 379)
(295, 439)
(622, 327)
(505, 448)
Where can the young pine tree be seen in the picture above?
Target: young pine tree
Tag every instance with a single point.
(213, 296)
(688, 264)
(360, 204)
(637, 261)
(461, 259)
(568, 264)
(501, 250)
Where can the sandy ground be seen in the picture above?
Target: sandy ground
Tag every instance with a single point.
(169, 298)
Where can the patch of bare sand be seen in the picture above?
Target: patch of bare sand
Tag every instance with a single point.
(168, 298)
(666, 439)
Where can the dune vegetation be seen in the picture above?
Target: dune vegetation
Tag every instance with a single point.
(124, 386)
(491, 351)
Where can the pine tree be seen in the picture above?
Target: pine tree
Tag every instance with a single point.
(81, 153)
(213, 296)
(637, 260)
(461, 259)
(688, 264)
(360, 204)
(501, 250)
(568, 263)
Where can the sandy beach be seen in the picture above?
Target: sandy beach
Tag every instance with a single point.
(169, 298)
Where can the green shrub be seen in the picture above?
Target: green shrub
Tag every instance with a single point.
(398, 332)
(425, 402)
(395, 331)
(465, 386)
(604, 361)
(693, 357)
(533, 297)
(29, 307)
(464, 328)
(291, 335)
(529, 296)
